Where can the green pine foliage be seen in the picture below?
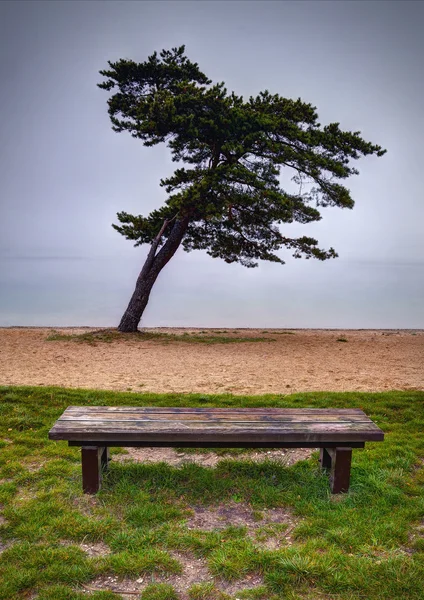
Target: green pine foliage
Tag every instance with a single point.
(231, 152)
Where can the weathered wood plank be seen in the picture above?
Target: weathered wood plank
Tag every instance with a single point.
(217, 410)
(214, 444)
(206, 437)
(179, 427)
(221, 425)
(215, 423)
(207, 416)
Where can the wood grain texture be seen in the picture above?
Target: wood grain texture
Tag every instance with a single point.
(210, 417)
(211, 443)
(178, 410)
(220, 425)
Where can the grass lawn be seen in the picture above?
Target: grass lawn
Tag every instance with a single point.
(365, 544)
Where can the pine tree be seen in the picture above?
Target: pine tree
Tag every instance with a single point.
(227, 199)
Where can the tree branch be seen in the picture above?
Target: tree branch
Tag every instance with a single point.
(152, 252)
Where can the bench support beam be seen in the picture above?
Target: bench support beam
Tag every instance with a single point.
(94, 459)
(338, 461)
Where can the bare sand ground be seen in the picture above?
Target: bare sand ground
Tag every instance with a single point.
(304, 360)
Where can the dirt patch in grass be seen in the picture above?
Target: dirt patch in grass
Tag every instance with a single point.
(210, 459)
(269, 528)
(415, 540)
(248, 583)
(34, 467)
(97, 549)
(24, 494)
(5, 545)
(85, 504)
(128, 588)
(194, 571)
(91, 549)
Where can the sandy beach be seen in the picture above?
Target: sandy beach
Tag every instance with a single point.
(298, 360)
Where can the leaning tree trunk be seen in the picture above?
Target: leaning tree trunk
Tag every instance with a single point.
(149, 273)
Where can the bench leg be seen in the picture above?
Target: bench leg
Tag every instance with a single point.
(92, 462)
(105, 459)
(340, 459)
(324, 458)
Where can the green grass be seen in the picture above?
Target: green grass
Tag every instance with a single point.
(284, 332)
(112, 335)
(365, 544)
(341, 339)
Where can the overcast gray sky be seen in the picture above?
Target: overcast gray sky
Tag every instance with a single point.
(65, 173)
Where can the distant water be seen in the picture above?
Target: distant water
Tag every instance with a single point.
(49, 291)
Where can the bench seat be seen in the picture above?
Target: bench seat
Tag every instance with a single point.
(335, 431)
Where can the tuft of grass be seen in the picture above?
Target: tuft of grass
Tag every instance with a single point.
(341, 339)
(159, 591)
(284, 332)
(145, 560)
(206, 591)
(112, 335)
(368, 543)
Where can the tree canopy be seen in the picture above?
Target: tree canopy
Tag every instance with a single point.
(234, 150)
(230, 151)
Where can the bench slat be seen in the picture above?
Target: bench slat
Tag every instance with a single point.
(151, 425)
(209, 417)
(200, 410)
(220, 425)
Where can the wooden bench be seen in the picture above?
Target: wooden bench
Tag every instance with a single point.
(334, 431)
